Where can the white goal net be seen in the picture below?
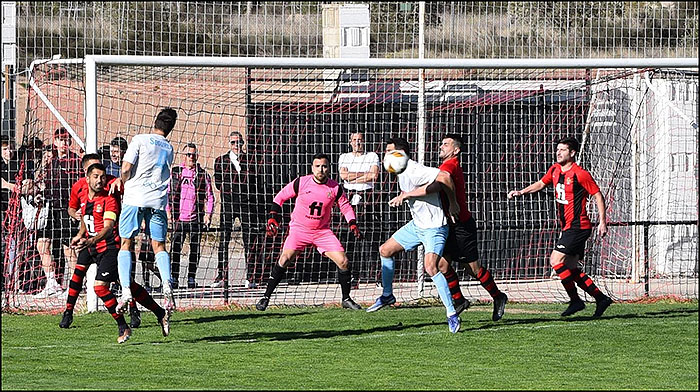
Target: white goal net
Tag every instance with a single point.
(637, 125)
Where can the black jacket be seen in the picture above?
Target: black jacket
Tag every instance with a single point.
(238, 190)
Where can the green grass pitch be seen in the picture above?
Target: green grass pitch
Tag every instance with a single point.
(633, 346)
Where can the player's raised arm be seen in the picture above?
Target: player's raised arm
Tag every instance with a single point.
(126, 171)
(532, 188)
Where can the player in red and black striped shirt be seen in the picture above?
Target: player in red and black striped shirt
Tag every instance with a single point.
(77, 195)
(461, 244)
(572, 186)
(98, 242)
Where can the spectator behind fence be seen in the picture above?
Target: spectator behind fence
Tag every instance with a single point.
(190, 209)
(28, 155)
(117, 149)
(359, 170)
(58, 171)
(235, 178)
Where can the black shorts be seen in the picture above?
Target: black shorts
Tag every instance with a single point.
(573, 242)
(106, 263)
(461, 245)
(60, 227)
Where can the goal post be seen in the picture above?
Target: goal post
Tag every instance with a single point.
(635, 115)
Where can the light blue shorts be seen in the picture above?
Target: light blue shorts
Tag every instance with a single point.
(410, 236)
(131, 217)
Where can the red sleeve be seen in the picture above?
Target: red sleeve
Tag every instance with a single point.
(73, 201)
(547, 178)
(587, 182)
(111, 205)
(449, 167)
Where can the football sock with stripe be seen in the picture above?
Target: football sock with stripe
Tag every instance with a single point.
(141, 295)
(387, 275)
(444, 292)
(75, 285)
(110, 302)
(133, 272)
(567, 280)
(453, 284)
(487, 282)
(586, 283)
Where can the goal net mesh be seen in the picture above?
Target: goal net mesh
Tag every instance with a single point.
(638, 129)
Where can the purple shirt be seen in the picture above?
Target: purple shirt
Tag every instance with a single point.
(188, 195)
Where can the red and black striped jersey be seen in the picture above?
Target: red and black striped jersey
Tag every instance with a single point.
(453, 167)
(95, 211)
(571, 191)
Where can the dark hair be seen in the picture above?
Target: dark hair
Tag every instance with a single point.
(104, 152)
(63, 132)
(5, 140)
(90, 156)
(94, 166)
(30, 147)
(400, 144)
(320, 155)
(457, 138)
(165, 121)
(35, 143)
(121, 142)
(573, 144)
(191, 145)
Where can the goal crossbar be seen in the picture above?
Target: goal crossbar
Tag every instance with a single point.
(289, 62)
(91, 62)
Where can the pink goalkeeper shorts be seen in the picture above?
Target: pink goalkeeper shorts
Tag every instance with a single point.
(323, 239)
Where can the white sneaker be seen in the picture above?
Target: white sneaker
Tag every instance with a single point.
(165, 323)
(52, 288)
(169, 302)
(123, 304)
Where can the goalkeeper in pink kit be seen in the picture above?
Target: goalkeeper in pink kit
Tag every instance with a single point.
(316, 194)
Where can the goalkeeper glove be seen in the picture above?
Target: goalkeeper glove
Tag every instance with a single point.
(272, 225)
(355, 230)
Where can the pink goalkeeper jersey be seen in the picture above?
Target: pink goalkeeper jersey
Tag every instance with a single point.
(314, 203)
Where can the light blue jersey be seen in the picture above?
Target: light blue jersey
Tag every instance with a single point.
(152, 157)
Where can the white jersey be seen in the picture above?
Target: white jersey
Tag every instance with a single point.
(363, 164)
(152, 157)
(426, 210)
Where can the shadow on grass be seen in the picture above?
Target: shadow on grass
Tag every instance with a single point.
(261, 336)
(235, 316)
(247, 337)
(675, 313)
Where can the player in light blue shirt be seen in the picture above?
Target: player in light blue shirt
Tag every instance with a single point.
(146, 177)
(429, 227)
